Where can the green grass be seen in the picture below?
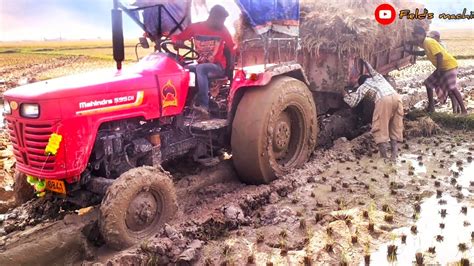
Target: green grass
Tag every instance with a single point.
(454, 121)
(447, 120)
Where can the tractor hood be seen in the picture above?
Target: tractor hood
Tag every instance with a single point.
(97, 82)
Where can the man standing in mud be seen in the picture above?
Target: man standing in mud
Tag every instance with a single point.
(387, 120)
(444, 78)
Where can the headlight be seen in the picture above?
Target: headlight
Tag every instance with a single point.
(29, 110)
(7, 110)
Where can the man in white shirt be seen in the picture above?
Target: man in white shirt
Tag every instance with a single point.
(387, 120)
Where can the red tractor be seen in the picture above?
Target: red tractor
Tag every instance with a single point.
(106, 134)
(113, 130)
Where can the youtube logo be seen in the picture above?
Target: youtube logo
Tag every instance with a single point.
(385, 14)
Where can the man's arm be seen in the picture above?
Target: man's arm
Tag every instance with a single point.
(354, 98)
(187, 34)
(417, 53)
(439, 61)
(412, 52)
(371, 70)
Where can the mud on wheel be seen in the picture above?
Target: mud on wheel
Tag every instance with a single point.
(274, 130)
(135, 205)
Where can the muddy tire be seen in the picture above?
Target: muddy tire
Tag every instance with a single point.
(135, 206)
(274, 130)
(23, 191)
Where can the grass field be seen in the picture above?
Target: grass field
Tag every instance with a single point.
(50, 59)
(460, 43)
(97, 49)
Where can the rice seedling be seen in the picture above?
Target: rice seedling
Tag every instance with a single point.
(443, 213)
(251, 259)
(419, 258)
(432, 250)
(388, 218)
(403, 238)
(329, 231)
(414, 229)
(318, 217)
(464, 262)
(463, 247)
(439, 238)
(302, 223)
(439, 193)
(367, 253)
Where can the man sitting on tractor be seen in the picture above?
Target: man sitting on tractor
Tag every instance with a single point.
(211, 38)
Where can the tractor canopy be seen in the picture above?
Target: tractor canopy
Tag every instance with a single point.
(278, 15)
(160, 18)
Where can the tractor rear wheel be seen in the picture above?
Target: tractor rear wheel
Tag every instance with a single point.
(274, 130)
(135, 205)
(23, 191)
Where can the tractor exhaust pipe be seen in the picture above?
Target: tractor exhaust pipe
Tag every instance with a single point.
(117, 35)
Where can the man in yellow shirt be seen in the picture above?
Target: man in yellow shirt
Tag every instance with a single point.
(444, 78)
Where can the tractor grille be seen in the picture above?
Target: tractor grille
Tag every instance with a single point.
(29, 142)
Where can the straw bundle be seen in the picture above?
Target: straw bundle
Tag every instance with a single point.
(348, 27)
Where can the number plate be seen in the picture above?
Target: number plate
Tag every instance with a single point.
(56, 186)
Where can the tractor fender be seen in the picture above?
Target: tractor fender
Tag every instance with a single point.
(258, 76)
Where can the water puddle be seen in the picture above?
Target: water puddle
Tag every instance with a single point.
(412, 161)
(444, 235)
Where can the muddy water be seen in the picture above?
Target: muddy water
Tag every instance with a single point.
(457, 228)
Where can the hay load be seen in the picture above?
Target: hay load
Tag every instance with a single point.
(348, 27)
(333, 36)
(345, 27)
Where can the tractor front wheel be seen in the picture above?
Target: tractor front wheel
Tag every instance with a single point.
(274, 130)
(135, 205)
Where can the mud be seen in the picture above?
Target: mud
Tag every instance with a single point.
(51, 243)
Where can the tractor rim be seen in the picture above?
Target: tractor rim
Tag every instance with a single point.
(144, 211)
(288, 136)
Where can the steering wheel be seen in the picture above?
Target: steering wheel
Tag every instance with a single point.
(189, 50)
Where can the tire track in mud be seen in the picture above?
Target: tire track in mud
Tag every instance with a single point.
(211, 203)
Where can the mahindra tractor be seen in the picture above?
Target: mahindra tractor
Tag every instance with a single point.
(106, 134)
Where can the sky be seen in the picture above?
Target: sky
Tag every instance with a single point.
(90, 19)
(71, 19)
